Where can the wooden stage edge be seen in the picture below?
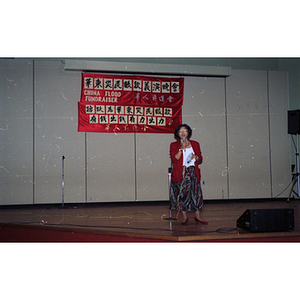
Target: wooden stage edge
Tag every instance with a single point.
(287, 236)
(138, 222)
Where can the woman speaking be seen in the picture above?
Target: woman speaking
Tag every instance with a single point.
(185, 191)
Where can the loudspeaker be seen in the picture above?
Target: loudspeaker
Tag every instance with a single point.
(294, 121)
(260, 220)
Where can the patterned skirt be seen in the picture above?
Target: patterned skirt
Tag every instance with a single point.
(189, 191)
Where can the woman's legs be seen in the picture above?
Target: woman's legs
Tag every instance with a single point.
(197, 215)
(184, 214)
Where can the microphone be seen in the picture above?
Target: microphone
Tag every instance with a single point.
(183, 139)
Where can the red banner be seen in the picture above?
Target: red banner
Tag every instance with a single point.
(120, 103)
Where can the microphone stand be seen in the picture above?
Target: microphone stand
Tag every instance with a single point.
(169, 175)
(63, 181)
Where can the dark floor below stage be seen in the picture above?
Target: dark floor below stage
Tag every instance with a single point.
(140, 222)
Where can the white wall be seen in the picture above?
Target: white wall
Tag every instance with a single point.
(257, 103)
(16, 134)
(240, 122)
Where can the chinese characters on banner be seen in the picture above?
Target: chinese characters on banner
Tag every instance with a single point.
(121, 103)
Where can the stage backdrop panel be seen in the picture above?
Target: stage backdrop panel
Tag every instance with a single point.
(110, 167)
(56, 94)
(16, 134)
(279, 138)
(152, 163)
(248, 135)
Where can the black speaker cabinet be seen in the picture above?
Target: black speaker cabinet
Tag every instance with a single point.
(294, 121)
(262, 220)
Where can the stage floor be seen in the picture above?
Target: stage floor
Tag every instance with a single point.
(137, 221)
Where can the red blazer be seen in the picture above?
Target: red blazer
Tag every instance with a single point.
(177, 164)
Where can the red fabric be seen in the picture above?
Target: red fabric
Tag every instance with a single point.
(119, 103)
(177, 164)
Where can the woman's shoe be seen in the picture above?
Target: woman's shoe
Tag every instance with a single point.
(202, 222)
(183, 223)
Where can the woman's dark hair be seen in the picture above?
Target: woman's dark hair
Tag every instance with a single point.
(176, 133)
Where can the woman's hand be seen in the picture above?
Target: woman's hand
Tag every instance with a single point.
(194, 156)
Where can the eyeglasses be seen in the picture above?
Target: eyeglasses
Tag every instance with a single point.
(183, 130)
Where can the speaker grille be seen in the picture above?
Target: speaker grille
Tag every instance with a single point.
(294, 121)
(260, 220)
